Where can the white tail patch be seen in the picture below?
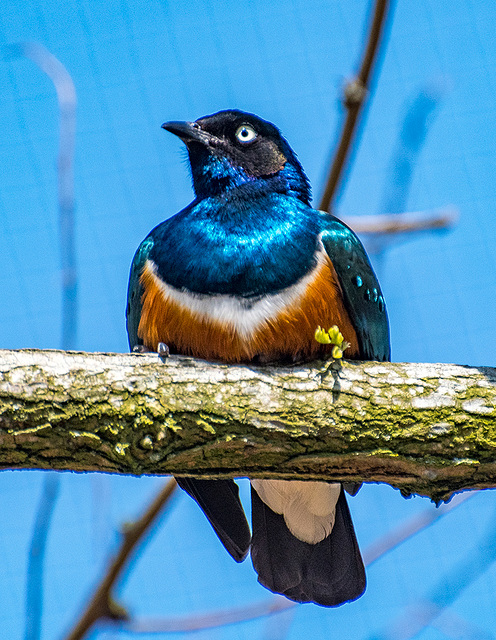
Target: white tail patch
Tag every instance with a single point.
(308, 507)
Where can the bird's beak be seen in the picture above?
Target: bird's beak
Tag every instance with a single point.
(187, 131)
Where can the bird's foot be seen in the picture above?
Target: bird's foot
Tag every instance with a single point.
(140, 348)
(162, 350)
(329, 367)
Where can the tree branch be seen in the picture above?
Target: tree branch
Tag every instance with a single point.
(355, 93)
(66, 98)
(391, 224)
(102, 605)
(424, 428)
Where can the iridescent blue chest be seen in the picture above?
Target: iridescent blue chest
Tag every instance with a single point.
(237, 245)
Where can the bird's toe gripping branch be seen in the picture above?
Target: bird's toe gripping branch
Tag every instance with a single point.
(162, 349)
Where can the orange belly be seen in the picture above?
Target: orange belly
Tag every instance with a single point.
(289, 335)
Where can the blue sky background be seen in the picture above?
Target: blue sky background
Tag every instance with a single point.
(137, 63)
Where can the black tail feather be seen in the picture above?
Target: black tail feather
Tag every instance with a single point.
(328, 573)
(219, 500)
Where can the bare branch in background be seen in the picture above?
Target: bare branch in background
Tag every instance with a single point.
(209, 620)
(393, 225)
(448, 589)
(410, 528)
(102, 604)
(66, 96)
(277, 627)
(411, 138)
(355, 94)
(455, 627)
(410, 222)
(34, 580)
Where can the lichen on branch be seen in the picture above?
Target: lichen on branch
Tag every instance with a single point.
(424, 428)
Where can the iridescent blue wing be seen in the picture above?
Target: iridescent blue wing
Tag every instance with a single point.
(135, 292)
(361, 290)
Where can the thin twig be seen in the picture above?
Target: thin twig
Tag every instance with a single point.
(354, 96)
(410, 528)
(34, 580)
(452, 625)
(66, 97)
(102, 604)
(210, 620)
(448, 589)
(398, 223)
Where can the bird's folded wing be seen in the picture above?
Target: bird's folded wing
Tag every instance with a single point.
(219, 500)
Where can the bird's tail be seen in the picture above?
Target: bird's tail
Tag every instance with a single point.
(328, 572)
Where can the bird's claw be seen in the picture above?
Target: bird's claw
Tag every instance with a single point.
(162, 350)
(140, 348)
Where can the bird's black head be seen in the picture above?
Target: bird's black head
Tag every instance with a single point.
(231, 148)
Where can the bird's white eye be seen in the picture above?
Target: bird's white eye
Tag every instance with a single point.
(246, 133)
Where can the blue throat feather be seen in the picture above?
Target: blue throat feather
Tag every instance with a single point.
(240, 246)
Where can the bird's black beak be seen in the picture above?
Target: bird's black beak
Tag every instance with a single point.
(187, 131)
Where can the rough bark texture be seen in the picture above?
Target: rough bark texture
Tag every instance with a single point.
(424, 428)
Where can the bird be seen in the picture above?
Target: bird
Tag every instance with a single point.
(245, 274)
